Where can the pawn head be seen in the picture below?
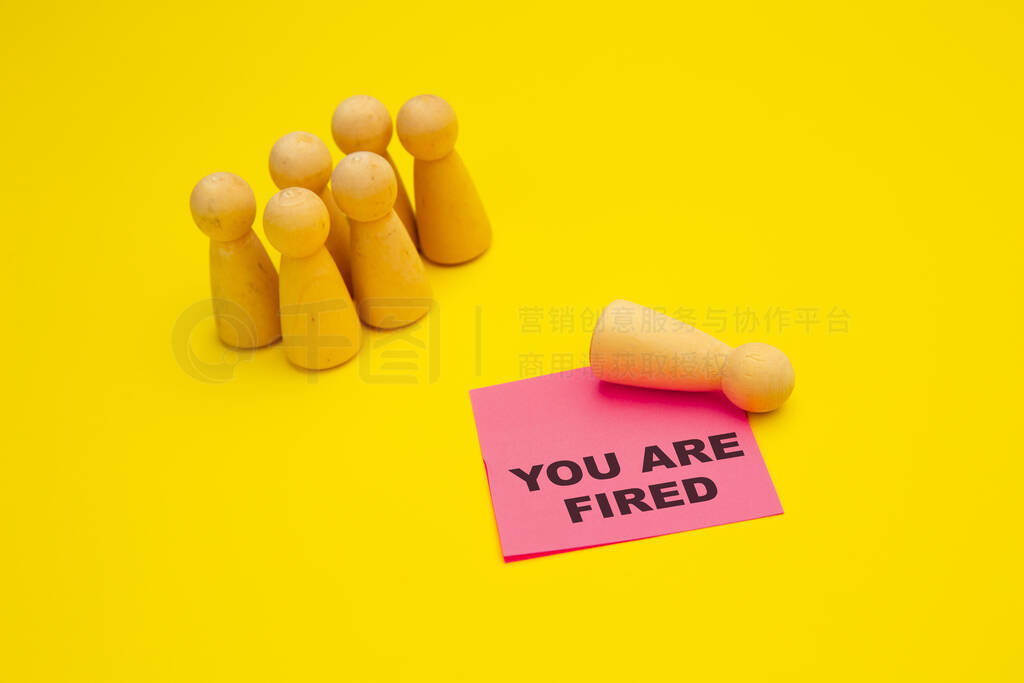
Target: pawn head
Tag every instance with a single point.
(364, 186)
(361, 124)
(427, 127)
(296, 222)
(757, 377)
(223, 206)
(300, 160)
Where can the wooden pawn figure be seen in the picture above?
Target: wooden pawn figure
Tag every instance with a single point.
(636, 345)
(388, 277)
(319, 321)
(362, 124)
(243, 281)
(302, 159)
(452, 223)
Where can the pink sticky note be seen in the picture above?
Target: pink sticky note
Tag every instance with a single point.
(704, 467)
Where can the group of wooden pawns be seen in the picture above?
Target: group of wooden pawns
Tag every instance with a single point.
(355, 230)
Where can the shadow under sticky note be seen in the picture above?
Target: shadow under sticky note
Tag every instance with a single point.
(573, 462)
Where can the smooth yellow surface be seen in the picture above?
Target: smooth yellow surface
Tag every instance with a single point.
(290, 526)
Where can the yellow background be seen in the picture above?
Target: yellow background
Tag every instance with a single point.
(281, 526)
